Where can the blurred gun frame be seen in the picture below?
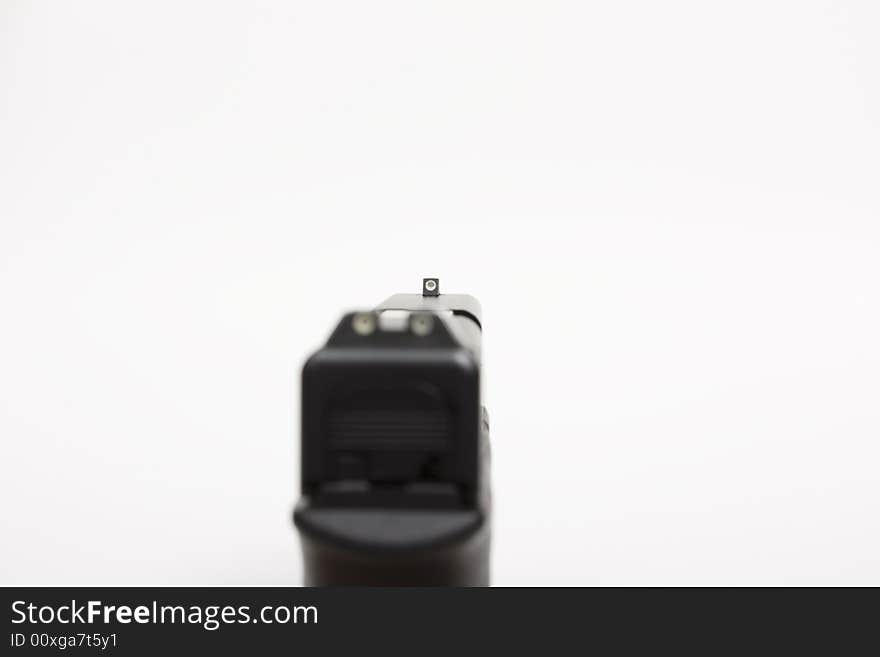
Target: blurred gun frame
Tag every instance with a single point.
(395, 447)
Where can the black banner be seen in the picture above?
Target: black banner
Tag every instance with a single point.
(415, 621)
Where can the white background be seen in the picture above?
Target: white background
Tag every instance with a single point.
(669, 210)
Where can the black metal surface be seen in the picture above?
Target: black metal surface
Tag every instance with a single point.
(395, 458)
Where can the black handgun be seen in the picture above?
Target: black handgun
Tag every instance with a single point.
(395, 447)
